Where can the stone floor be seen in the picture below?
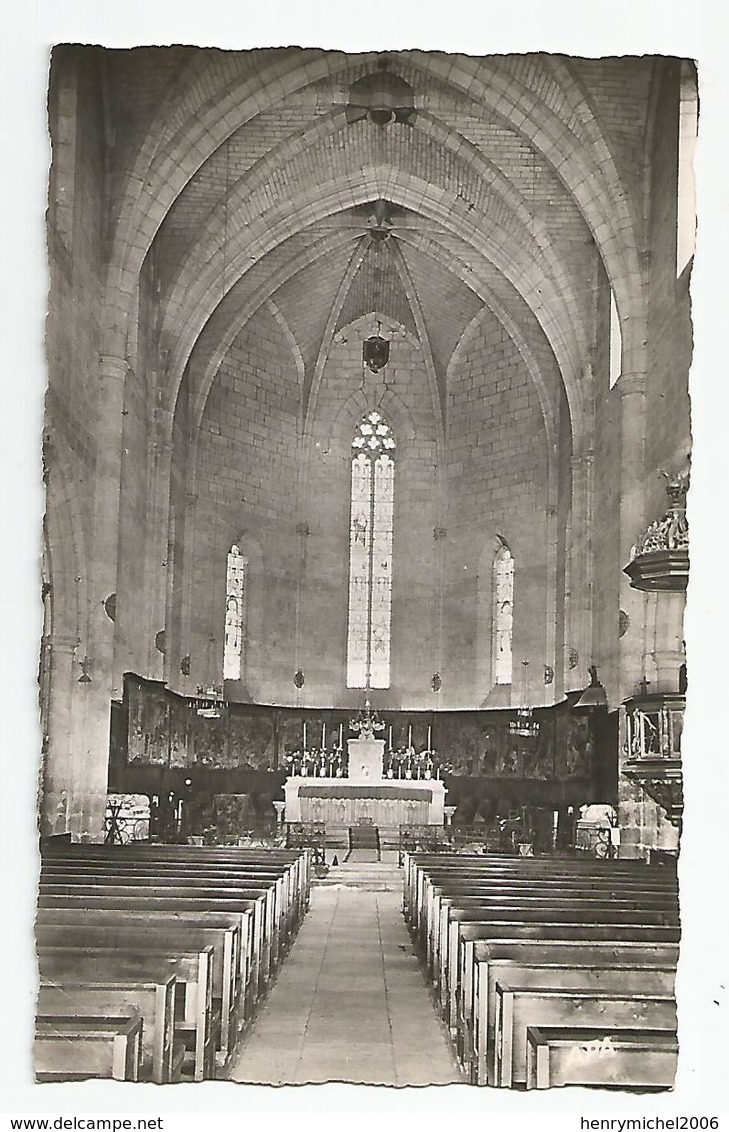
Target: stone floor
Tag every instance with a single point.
(350, 1002)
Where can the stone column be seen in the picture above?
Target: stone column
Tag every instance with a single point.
(578, 633)
(633, 806)
(58, 787)
(553, 690)
(632, 524)
(92, 701)
(159, 554)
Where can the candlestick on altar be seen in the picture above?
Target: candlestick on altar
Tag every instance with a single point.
(428, 736)
(389, 743)
(323, 736)
(341, 735)
(410, 735)
(304, 734)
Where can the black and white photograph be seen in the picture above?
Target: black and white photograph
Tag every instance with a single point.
(366, 453)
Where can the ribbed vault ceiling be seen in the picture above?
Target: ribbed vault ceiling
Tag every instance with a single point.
(329, 214)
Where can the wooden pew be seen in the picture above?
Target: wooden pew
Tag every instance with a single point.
(196, 1021)
(485, 961)
(296, 865)
(558, 921)
(524, 869)
(269, 891)
(259, 898)
(519, 1007)
(526, 866)
(155, 1002)
(645, 1059)
(637, 978)
(503, 895)
(492, 904)
(171, 935)
(524, 903)
(278, 917)
(75, 1048)
(533, 893)
(536, 888)
(288, 872)
(174, 902)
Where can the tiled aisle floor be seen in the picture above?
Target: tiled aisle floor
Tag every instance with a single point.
(350, 1002)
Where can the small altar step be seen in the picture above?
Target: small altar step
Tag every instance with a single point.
(372, 876)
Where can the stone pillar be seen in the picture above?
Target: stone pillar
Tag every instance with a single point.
(57, 779)
(578, 633)
(92, 701)
(554, 607)
(632, 803)
(159, 553)
(632, 525)
(104, 547)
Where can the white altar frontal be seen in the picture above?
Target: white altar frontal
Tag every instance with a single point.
(366, 795)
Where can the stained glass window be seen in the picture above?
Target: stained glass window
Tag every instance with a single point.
(235, 614)
(370, 554)
(503, 615)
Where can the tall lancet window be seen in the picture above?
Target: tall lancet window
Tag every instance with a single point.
(503, 615)
(235, 614)
(370, 554)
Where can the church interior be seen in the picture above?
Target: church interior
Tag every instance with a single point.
(366, 454)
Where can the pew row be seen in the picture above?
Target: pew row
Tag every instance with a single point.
(641, 1059)
(196, 1020)
(161, 1060)
(534, 962)
(517, 1008)
(496, 934)
(219, 923)
(70, 1048)
(164, 936)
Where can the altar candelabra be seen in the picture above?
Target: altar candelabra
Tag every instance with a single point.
(317, 763)
(409, 764)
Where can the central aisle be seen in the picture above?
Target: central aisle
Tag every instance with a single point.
(350, 1002)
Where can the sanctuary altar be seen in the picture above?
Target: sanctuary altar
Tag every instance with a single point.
(365, 796)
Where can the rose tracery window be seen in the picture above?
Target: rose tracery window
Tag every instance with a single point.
(370, 554)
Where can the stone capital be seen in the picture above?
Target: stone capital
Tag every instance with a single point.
(63, 644)
(111, 366)
(632, 384)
